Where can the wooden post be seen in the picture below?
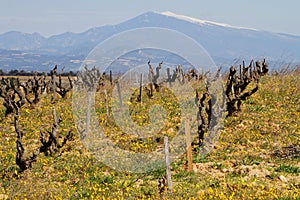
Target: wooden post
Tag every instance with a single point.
(136, 79)
(169, 77)
(119, 93)
(110, 77)
(250, 66)
(241, 75)
(188, 145)
(88, 114)
(141, 88)
(244, 66)
(106, 103)
(54, 85)
(168, 170)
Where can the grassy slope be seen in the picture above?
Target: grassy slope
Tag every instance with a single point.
(242, 164)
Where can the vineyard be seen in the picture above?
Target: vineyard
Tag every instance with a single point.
(256, 157)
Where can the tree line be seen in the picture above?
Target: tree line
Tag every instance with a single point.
(15, 72)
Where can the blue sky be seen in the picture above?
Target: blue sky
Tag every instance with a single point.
(50, 17)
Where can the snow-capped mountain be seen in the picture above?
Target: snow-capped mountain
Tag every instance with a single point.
(223, 42)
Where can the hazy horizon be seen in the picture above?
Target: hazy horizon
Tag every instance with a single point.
(55, 17)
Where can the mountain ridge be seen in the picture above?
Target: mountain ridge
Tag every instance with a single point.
(224, 42)
(166, 13)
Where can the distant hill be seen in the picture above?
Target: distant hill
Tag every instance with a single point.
(225, 43)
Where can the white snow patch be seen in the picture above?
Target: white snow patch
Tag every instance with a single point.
(200, 21)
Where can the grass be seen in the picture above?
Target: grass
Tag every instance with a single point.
(243, 164)
(288, 169)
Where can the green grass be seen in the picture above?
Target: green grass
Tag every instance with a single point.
(288, 169)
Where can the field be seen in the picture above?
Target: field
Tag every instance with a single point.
(256, 157)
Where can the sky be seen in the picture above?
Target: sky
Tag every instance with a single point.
(51, 17)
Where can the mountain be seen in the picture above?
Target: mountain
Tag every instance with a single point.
(224, 43)
(14, 40)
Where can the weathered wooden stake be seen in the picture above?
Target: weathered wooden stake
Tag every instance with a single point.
(136, 79)
(110, 77)
(119, 93)
(88, 114)
(53, 86)
(241, 74)
(106, 103)
(168, 170)
(169, 77)
(188, 145)
(141, 88)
